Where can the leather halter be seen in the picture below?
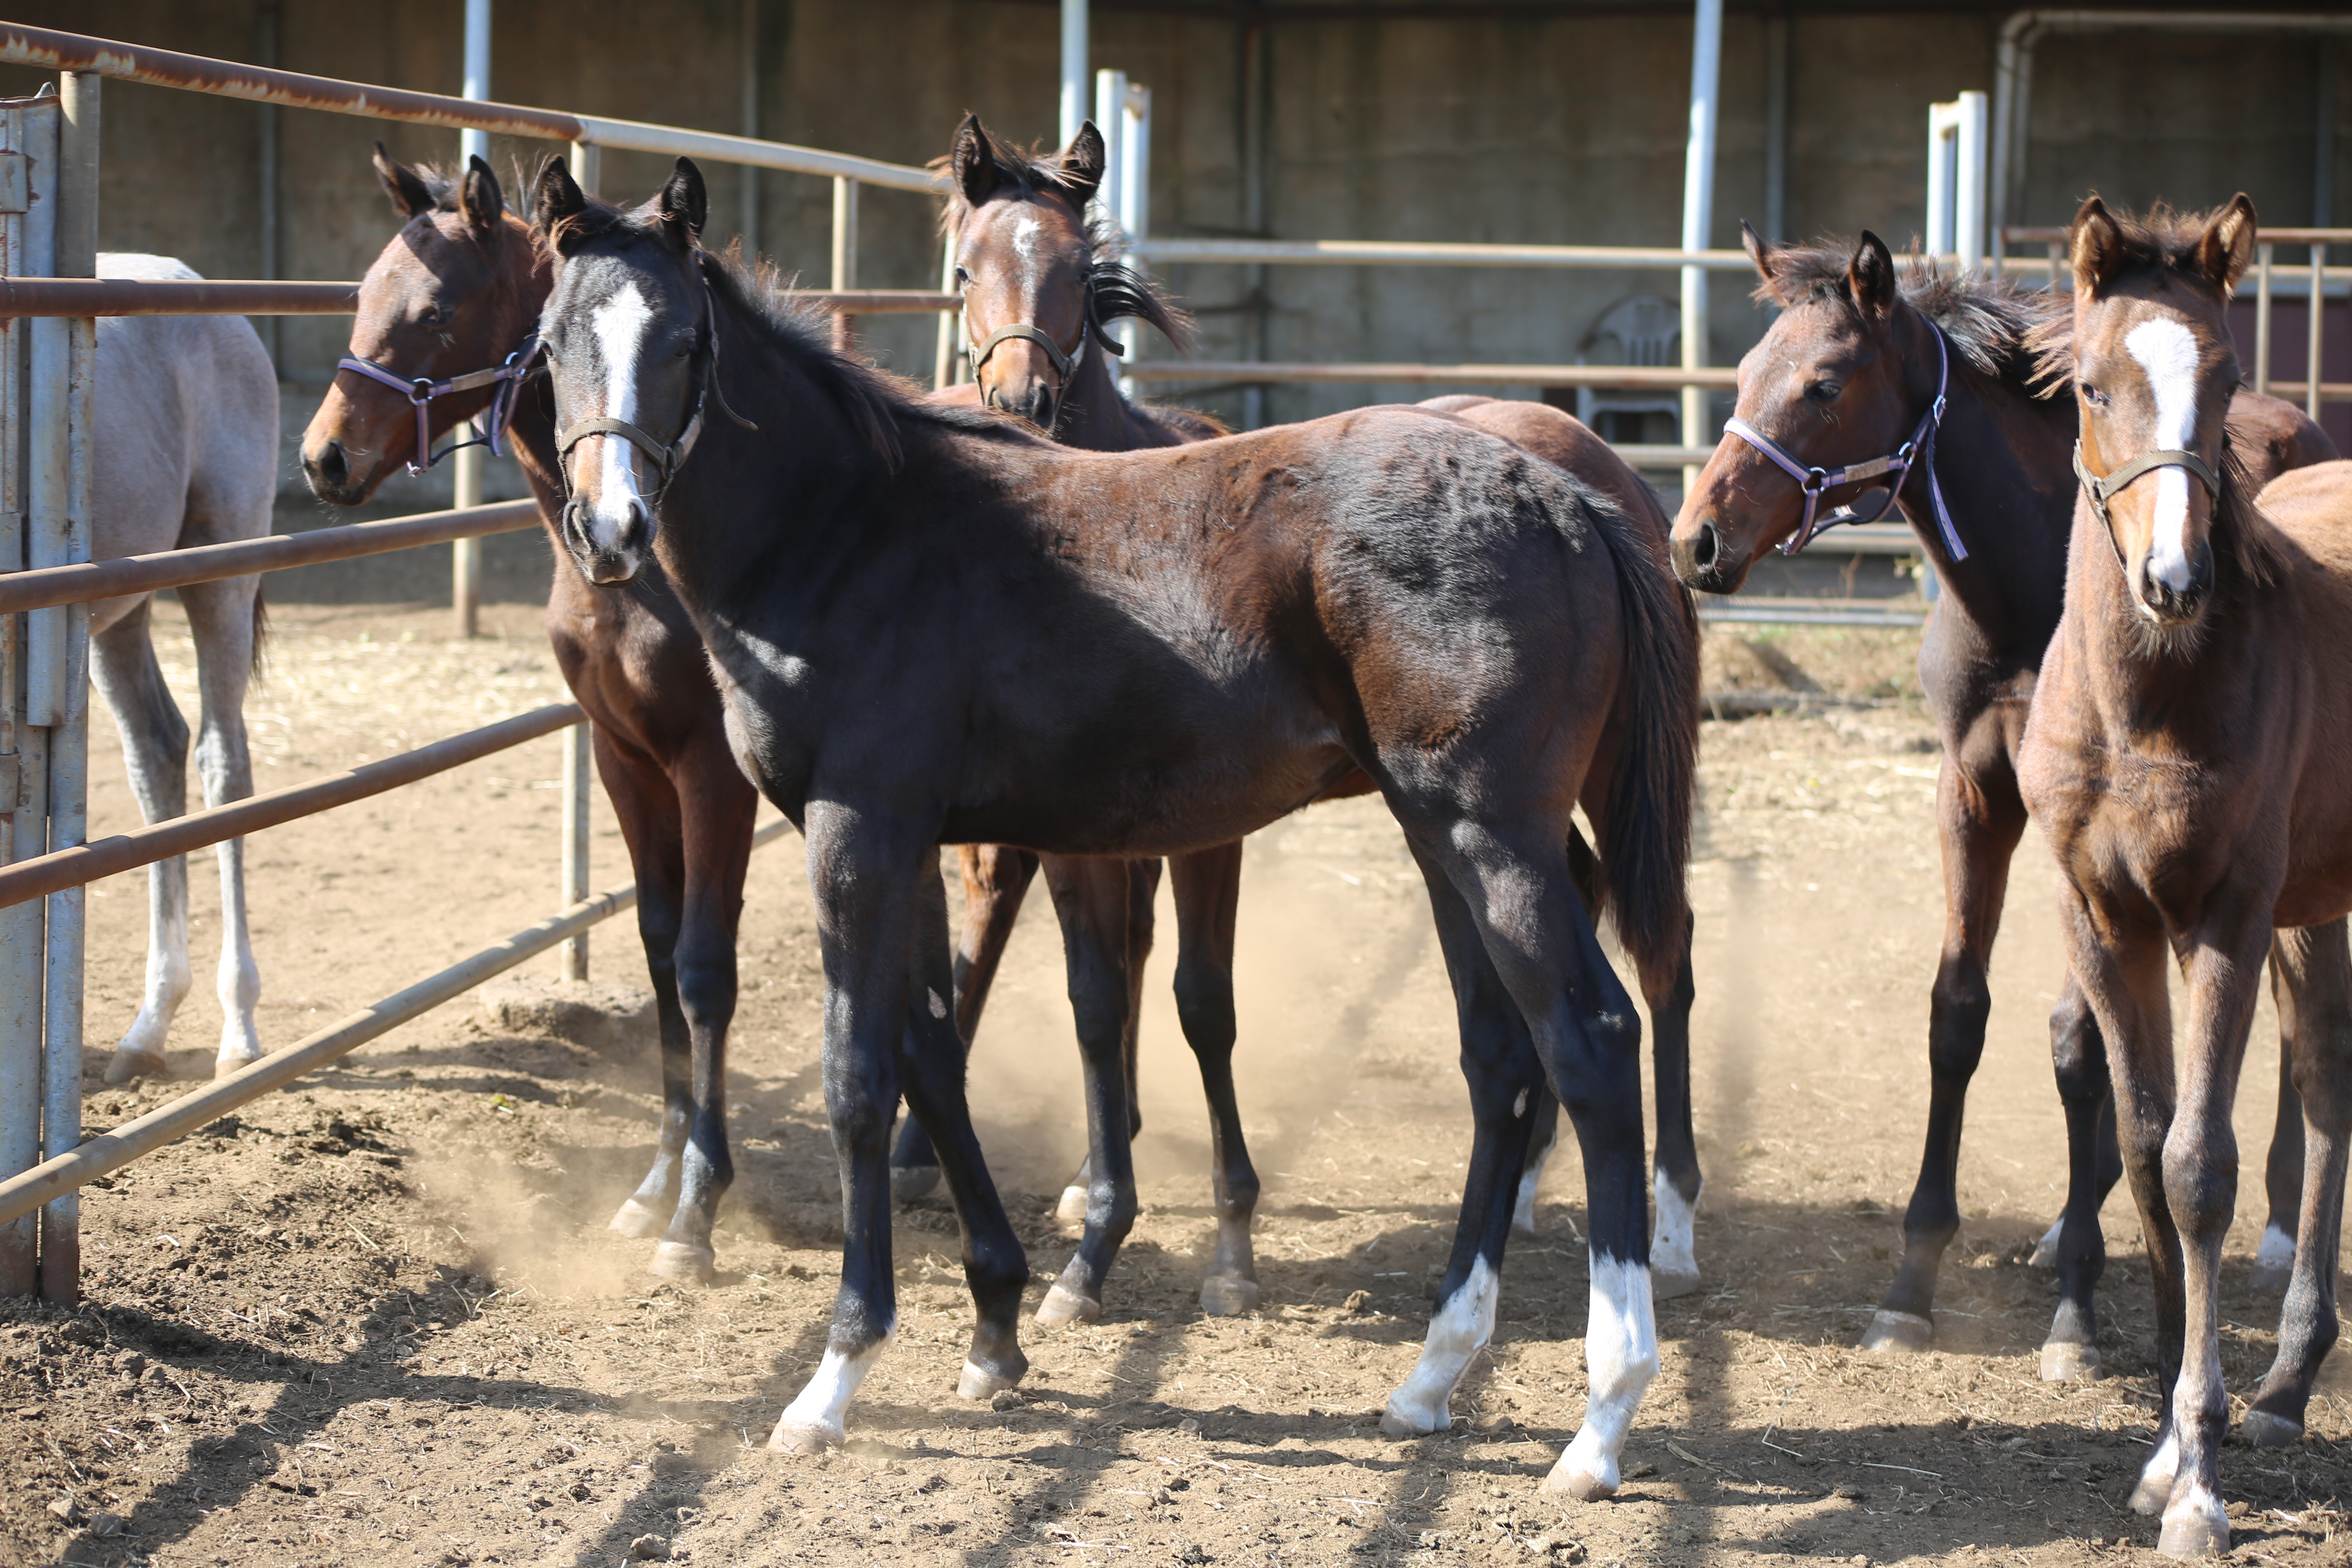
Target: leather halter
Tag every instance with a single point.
(1917, 452)
(1064, 361)
(508, 377)
(667, 457)
(2101, 487)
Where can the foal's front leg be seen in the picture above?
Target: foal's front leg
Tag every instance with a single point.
(1091, 895)
(874, 893)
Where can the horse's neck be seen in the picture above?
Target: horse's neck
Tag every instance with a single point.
(1096, 417)
(2001, 463)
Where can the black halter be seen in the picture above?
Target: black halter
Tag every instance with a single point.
(667, 456)
(2101, 487)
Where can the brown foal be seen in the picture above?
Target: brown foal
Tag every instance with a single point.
(2186, 755)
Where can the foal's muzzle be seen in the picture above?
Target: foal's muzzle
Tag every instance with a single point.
(2170, 606)
(329, 472)
(1036, 401)
(621, 560)
(1703, 561)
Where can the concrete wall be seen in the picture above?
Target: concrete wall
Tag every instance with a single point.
(1538, 129)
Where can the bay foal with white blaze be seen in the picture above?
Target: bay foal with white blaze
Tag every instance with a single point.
(934, 627)
(188, 421)
(2186, 755)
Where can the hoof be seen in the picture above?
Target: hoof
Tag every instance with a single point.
(2045, 1251)
(2152, 1493)
(980, 1386)
(683, 1264)
(1061, 1306)
(2264, 1430)
(2274, 1262)
(2064, 1361)
(1898, 1333)
(2195, 1532)
(1402, 1424)
(128, 1065)
(1072, 1209)
(1223, 1296)
(908, 1183)
(1668, 1282)
(1575, 1482)
(634, 1219)
(229, 1061)
(802, 1437)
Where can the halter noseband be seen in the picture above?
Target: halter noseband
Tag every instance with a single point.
(667, 457)
(1917, 452)
(508, 377)
(2101, 487)
(1064, 361)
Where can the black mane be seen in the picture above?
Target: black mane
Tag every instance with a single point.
(2000, 326)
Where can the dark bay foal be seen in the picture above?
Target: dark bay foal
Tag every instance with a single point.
(458, 290)
(1844, 375)
(933, 626)
(2185, 756)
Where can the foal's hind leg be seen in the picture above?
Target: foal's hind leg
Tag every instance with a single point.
(2283, 1173)
(1142, 887)
(1090, 894)
(1981, 819)
(996, 880)
(222, 617)
(1207, 885)
(1674, 1179)
(2078, 1055)
(156, 751)
(2311, 971)
(716, 829)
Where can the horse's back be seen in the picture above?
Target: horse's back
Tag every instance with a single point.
(2273, 436)
(1567, 443)
(187, 415)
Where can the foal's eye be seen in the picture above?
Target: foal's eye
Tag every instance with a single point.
(1822, 391)
(2092, 395)
(434, 314)
(963, 278)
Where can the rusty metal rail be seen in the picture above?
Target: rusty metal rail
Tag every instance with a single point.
(26, 297)
(82, 863)
(1644, 377)
(226, 79)
(92, 580)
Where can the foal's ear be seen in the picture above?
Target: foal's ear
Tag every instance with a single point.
(977, 161)
(1871, 276)
(684, 204)
(1759, 251)
(410, 195)
(555, 199)
(2227, 245)
(479, 198)
(2095, 246)
(1082, 163)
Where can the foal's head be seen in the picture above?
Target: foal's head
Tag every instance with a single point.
(2153, 372)
(456, 292)
(1829, 384)
(1039, 284)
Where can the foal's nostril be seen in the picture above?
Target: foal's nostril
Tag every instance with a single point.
(1703, 552)
(331, 468)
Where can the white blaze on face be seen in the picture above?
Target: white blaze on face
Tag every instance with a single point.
(1025, 246)
(1621, 1357)
(2166, 353)
(619, 324)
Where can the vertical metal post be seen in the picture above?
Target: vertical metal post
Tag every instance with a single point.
(25, 129)
(844, 256)
(577, 755)
(1134, 202)
(1776, 126)
(1111, 118)
(1698, 203)
(1257, 138)
(2262, 317)
(265, 50)
(1942, 158)
(1970, 204)
(465, 467)
(77, 257)
(2318, 321)
(587, 161)
(944, 370)
(749, 41)
(1074, 67)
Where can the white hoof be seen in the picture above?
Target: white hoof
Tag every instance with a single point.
(2045, 1251)
(1571, 1477)
(1223, 1296)
(1403, 1418)
(1072, 1209)
(235, 1055)
(2264, 1430)
(683, 1264)
(979, 1384)
(793, 1437)
(634, 1219)
(1898, 1333)
(2274, 1262)
(2065, 1362)
(1062, 1306)
(129, 1064)
(2196, 1526)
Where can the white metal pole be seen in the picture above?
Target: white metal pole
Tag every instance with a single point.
(1135, 201)
(1111, 118)
(1972, 206)
(576, 768)
(27, 130)
(2316, 319)
(61, 1021)
(1942, 137)
(466, 554)
(1074, 67)
(845, 257)
(1698, 206)
(944, 371)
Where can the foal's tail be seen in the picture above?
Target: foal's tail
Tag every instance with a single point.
(1646, 845)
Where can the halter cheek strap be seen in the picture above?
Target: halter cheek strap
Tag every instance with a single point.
(508, 377)
(1918, 452)
(2102, 488)
(667, 456)
(1063, 361)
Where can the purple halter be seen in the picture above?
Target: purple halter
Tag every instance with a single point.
(1919, 451)
(508, 378)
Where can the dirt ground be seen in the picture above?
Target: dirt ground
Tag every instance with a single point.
(377, 1319)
